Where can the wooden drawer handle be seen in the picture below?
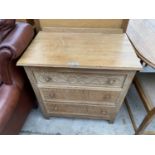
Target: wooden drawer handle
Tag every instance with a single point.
(103, 112)
(55, 108)
(46, 78)
(52, 95)
(106, 97)
(112, 81)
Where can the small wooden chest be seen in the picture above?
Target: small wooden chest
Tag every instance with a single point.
(80, 74)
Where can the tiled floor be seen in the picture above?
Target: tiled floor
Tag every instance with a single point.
(37, 124)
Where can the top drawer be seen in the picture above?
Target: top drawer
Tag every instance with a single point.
(75, 77)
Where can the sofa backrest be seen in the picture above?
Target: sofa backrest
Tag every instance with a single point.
(6, 25)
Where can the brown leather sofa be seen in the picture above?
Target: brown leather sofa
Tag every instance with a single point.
(16, 95)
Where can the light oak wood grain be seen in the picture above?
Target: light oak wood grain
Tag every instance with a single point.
(36, 91)
(81, 50)
(80, 74)
(142, 35)
(92, 23)
(78, 94)
(83, 30)
(81, 94)
(79, 110)
(78, 77)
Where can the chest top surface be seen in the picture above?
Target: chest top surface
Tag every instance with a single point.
(81, 50)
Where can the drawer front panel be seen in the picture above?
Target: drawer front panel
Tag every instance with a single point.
(97, 111)
(72, 94)
(87, 78)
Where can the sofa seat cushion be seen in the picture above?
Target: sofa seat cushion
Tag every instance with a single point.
(6, 25)
(9, 97)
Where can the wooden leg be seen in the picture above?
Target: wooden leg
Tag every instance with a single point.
(143, 63)
(145, 122)
(46, 117)
(111, 121)
(130, 114)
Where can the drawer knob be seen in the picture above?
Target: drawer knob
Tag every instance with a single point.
(112, 81)
(103, 112)
(46, 78)
(52, 95)
(55, 108)
(106, 97)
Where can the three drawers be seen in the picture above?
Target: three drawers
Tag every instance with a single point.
(78, 92)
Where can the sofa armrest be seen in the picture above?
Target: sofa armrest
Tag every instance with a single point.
(5, 61)
(11, 48)
(18, 39)
(9, 97)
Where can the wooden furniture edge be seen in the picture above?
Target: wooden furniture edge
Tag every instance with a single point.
(83, 30)
(124, 25)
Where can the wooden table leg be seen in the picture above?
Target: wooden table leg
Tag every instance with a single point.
(145, 122)
(130, 114)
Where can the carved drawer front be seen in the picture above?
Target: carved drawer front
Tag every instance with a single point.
(86, 78)
(74, 94)
(65, 109)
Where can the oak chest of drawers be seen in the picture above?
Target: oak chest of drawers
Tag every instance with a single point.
(80, 75)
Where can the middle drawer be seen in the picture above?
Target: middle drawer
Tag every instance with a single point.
(78, 94)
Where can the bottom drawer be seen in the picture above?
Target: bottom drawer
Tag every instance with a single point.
(79, 110)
